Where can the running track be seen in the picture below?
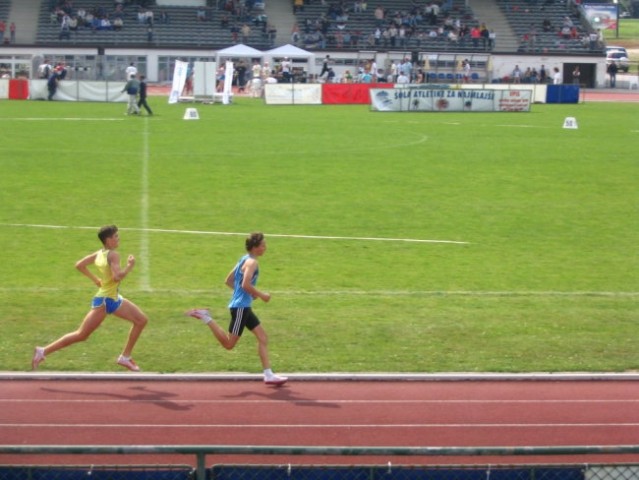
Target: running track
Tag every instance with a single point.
(162, 410)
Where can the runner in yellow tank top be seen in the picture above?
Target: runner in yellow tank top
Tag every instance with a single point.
(106, 301)
(108, 286)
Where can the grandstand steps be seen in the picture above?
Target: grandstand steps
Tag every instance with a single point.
(25, 15)
(488, 12)
(280, 14)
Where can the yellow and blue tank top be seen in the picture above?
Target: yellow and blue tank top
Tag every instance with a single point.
(109, 286)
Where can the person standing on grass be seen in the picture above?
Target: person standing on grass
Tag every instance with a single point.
(242, 280)
(106, 301)
(142, 97)
(131, 88)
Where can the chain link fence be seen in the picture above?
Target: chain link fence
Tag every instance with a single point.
(319, 470)
(324, 472)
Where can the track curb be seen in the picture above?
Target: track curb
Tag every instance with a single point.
(322, 377)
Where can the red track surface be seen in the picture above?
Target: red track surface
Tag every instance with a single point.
(315, 413)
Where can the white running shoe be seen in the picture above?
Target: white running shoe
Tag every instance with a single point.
(201, 314)
(275, 380)
(128, 363)
(38, 357)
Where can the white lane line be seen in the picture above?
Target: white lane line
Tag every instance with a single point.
(317, 426)
(206, 232)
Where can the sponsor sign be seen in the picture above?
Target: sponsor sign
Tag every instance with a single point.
(418, 99)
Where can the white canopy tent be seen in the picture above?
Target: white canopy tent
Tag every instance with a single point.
(237, 51)
(292, 52)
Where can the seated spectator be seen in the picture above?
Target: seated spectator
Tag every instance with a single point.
(379, 16)
(118, 23)
(201, 14)
(65, 31)
(88, 20)
(105, 24)
(260, 20)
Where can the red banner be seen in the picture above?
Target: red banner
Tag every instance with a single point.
(19, 89)
(349, 93)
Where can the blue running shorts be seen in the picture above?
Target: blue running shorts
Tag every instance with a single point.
(110, 304)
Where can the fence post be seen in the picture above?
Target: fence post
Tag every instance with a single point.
(201, 466)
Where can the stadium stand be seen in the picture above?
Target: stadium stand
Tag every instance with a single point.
(5, 6)
(549, 26)
(330, 25)
(171, 26)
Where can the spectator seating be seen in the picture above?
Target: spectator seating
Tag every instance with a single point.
(5, 7)
(363, 24)
(182, 29)
(527, 20)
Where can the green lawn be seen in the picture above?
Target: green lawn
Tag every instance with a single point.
(414, 242)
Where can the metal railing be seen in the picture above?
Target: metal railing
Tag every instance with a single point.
(201, 451)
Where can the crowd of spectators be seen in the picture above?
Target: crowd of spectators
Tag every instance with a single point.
(353, 24)
(99, 18)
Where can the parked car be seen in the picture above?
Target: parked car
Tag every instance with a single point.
(620, 58)
(615, 48)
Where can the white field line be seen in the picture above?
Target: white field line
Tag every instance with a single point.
(70, 119)
(254, 426)
(145, 260)
(185, 292)
(263, 401)
(205, 232)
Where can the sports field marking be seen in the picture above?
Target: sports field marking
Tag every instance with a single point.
(68, 119)
(520, 126)
(243, 234)
(236, 401)
(185, 292)
(373, 426)
(145, 260)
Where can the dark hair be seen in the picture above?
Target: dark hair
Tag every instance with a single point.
(254, 240)
(106, 232)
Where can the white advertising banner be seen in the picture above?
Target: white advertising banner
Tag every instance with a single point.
(204, 79)
(293, 93)
(179, 79)
(79, 91)
(228, 83)
(4, 88)
(423, 99)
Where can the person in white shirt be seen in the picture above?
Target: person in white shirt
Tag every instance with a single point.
(130, 71)
(403, 79)
(556, 77)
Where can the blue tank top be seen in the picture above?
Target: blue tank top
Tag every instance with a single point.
(241, 298)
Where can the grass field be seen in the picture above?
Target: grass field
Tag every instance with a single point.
(628, 33)
(397, 242)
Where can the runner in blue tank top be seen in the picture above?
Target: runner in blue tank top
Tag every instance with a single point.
(242, 279)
